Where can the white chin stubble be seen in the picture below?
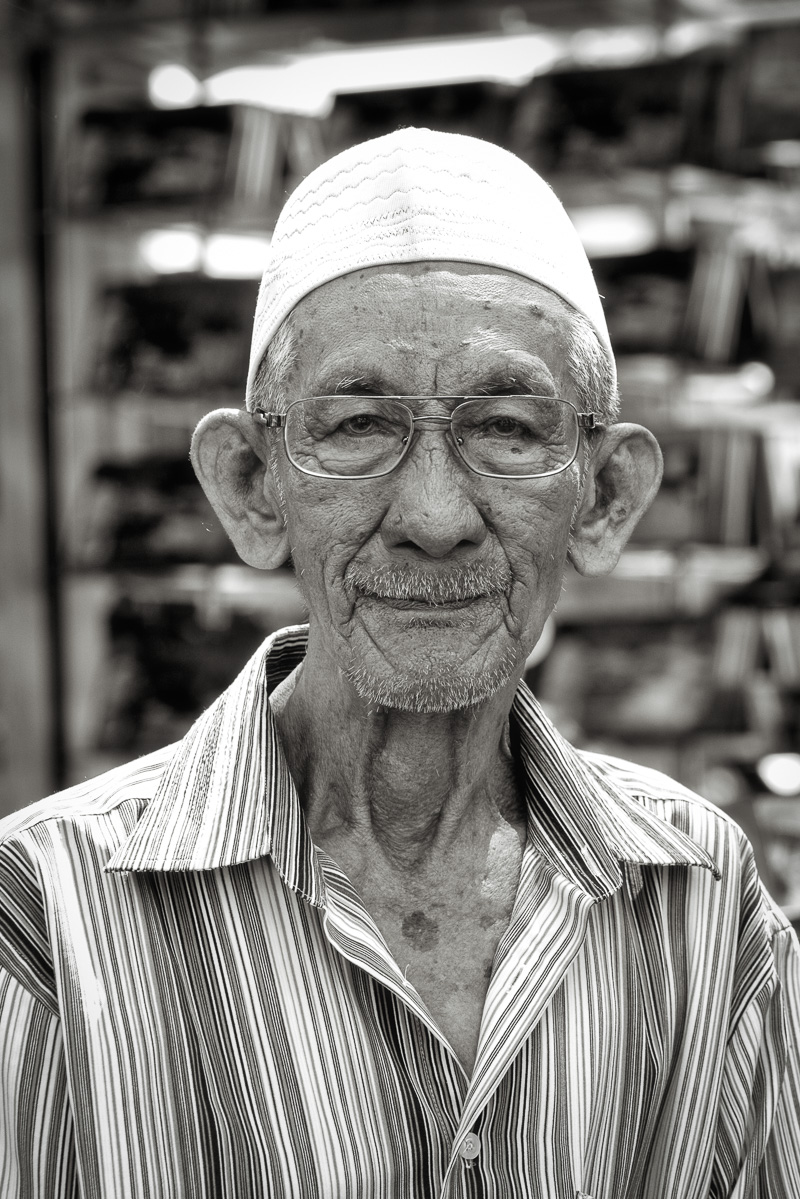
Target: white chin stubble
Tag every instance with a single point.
(429, 689)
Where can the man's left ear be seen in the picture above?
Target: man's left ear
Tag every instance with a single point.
(622, 477)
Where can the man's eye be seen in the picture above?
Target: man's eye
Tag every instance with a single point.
(505, 426)
(362, 423)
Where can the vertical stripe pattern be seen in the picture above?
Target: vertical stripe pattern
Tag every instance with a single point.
(194, 1003)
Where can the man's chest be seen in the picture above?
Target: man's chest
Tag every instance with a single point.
(240, 1042)
(446, 951)
(441, 926)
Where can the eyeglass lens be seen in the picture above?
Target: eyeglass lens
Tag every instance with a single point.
(360, 436)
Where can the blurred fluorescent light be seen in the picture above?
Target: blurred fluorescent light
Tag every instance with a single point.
(780, 773)
(168, 251)
(221, 255)
(615, 230)
(307, 85)
(687, 37)
(615, 47)
(290, 88)
(235, 256)
(174, 86)
(513, 60)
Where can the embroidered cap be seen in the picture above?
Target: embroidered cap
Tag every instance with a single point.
(421, 196)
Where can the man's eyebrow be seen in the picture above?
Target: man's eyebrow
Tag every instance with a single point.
(341, 382)
(528, 376)
(521, 372)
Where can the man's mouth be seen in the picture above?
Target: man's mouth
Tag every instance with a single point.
(414, 589)
(419, 603)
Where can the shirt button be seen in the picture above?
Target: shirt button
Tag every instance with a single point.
(470, 1147)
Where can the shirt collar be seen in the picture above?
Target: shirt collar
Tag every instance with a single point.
(580, 820)
(226, 796)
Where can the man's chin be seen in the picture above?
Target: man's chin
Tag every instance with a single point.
(436, 687)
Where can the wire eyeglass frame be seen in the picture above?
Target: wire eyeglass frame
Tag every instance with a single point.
(278, 420)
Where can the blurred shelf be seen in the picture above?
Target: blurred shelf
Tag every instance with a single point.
(167, 408)
(272, 595)
(660, 584)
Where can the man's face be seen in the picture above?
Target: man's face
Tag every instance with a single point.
(429, 586)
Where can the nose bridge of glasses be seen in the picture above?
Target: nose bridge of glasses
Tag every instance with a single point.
(442, 419)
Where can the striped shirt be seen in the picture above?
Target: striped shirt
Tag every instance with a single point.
(195, 1003)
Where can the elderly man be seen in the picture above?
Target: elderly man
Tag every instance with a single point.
(373, 928)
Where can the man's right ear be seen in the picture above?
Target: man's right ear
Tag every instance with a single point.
(230, 458)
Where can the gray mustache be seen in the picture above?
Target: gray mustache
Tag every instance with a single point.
(427, 586)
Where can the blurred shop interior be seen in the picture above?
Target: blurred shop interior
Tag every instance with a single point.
(146, 148)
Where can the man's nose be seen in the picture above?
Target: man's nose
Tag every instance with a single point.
(431, 508)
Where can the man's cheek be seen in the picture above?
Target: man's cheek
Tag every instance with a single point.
(536, 545)
(337, 510)
(537, 554)
(320, 562)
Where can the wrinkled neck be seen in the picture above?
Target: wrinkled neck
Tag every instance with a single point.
(413, 784)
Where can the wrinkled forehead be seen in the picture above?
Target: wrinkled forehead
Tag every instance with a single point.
(407, 282)
(414, 295)
(398, 321)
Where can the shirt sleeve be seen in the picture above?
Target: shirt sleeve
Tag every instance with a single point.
(37, 1144)
(758, 1131)
(779, 1176)
(36, 1133)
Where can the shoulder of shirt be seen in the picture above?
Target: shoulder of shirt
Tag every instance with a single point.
(24, 879)
(679, 806)
(136, 780)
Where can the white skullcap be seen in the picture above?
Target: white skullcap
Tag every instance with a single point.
(420, 196)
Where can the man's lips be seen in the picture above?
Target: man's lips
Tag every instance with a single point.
(420, 604)
(426, 590)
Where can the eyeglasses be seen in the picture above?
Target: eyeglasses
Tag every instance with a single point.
(365, 437)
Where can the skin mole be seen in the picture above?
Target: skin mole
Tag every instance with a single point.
(421, 930)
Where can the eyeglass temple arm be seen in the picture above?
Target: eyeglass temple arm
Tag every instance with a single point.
(277, 420)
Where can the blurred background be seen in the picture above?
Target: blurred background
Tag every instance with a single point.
(146, 147)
